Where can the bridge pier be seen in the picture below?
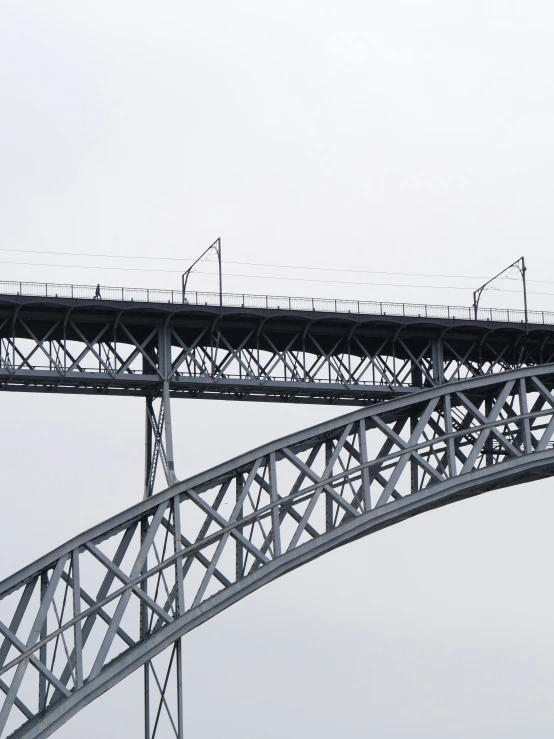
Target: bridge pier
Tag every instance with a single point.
(163, 676)
(158, 441)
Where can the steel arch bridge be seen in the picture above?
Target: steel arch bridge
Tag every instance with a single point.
(82, 618)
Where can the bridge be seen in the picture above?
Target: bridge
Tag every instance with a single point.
(57, 338)
(451, 403)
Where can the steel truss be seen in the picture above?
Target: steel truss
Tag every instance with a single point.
(85, 616)
(88, 346)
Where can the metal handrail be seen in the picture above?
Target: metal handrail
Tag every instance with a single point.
(272, 302)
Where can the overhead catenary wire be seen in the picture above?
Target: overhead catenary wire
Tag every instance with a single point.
(246, 264)
(249, 264)
(263, 277)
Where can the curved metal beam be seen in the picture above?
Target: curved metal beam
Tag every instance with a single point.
(84, 617)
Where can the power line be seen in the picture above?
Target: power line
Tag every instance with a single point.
(225, 261)
(97, 266)
(103, 256)
(250, 264)
(263, 277)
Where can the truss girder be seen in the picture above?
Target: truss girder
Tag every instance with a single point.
(111, 600)
(96, 348)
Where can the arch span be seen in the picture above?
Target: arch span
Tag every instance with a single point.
(80, 619)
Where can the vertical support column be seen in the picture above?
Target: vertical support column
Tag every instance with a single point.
(180, 706)
(489, 455)
(164, 360)
(524, 409)
(172, 478)
(275, 520)
(437, 356)
(180, 611)
(143, 635)
(149, 469)
(328, 497)
(239, 550)
(42, 651)
(159, 429)
(450, 444)
(365, 471)
(78, 636)
(414, 467)
(154, 444)
(417, 375)
(159, 448)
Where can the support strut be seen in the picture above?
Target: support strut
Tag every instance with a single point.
(163, 676)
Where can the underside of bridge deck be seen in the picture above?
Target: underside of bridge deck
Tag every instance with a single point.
(131, 348)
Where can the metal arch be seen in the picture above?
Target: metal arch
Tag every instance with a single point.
(484, 337)
(177, 559)
(116, 671)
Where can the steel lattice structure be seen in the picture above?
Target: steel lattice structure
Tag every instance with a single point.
(82, 618)
(50, 344)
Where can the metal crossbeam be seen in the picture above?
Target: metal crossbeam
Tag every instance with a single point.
(112, 600)
(195, 351)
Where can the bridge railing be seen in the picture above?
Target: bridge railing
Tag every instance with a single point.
(272, 302)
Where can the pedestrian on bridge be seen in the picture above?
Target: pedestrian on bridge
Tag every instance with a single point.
(97, 295)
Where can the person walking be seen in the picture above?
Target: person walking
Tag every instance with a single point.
(97, 295)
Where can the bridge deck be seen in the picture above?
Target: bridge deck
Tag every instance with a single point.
(287, 349)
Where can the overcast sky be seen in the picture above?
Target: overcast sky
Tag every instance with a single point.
(398, 137)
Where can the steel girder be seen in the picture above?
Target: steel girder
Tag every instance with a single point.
(83, 617)
(98, 347)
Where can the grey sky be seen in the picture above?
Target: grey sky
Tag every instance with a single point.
(393, 137)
